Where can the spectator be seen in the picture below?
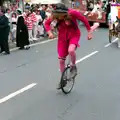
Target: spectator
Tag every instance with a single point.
(14, 22)
(43, 12)
(97, 9)
(40, 25)
(22, 32)
(4, 32)
(90, 6)
(44, 16)
(27, 6)
(8, 14)
(49, 11)
(29, 23)
(34, 20)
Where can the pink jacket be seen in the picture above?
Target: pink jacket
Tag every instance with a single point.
(66, 32)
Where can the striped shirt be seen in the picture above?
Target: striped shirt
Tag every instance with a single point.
(29, 22)
(33, 17)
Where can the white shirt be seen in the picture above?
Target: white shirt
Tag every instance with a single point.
(39, 18)
(114, 13)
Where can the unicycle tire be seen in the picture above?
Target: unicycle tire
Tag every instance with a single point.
(68, 83)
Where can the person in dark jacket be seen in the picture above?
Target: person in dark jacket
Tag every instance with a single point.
(43, 12)
(4, 32)
(43, 15)
(22, 37)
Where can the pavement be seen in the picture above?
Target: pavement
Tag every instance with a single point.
(29, 78)
(12, 44)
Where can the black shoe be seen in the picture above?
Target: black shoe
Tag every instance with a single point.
(27, 48)
(6, 53)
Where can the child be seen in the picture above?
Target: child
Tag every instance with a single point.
(14, 22)
(97, 9)
(29, 23)
(40, 24)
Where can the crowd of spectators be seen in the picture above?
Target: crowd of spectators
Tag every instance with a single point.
(22, 27)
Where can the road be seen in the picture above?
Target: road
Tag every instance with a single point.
(28, 81)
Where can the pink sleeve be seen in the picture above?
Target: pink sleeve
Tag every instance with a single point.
(77, 15)
(47, 24)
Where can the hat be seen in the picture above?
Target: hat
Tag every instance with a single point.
(60, 8)
(27, 7)
(19, 11)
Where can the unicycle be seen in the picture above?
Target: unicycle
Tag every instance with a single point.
(67, 82)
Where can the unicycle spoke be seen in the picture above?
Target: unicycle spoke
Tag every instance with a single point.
(67, 82)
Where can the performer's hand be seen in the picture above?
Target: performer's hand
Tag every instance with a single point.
(90, 35)
(50, 35)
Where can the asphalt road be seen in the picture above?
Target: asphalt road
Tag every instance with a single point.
(28, 82)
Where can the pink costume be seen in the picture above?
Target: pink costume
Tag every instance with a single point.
(68, 34)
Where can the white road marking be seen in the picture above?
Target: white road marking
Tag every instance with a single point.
(111, 43)
(17, 92)
(87, 56)
(13, 49)
(39, 43)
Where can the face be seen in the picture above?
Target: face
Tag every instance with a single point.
(8, 11)
(13, 15)
(38, 12)
(50, 6)
(27, 12)
(13, 9)
(43, 7)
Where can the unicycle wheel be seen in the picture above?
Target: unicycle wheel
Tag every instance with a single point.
(67, 82)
